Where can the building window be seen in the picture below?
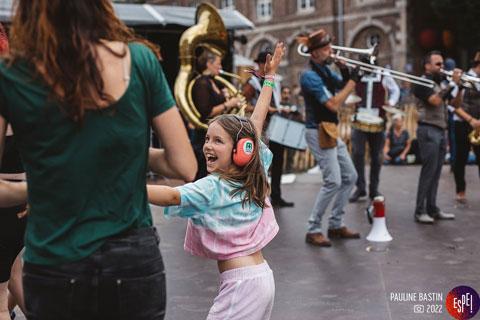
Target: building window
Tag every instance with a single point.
(264, 10)
(305, 6)
(227, 4)
(360, 3)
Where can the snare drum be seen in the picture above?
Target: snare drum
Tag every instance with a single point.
(367, 122)
(287, 132)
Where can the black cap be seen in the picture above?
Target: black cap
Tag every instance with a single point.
(262, 56)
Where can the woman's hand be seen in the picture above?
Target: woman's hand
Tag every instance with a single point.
(272, 62)
(232, 103)
(475, 123)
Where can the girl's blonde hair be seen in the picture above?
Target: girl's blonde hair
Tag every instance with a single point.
(250, 180)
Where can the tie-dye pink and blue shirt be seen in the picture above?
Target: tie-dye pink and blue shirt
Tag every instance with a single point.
(219, 226)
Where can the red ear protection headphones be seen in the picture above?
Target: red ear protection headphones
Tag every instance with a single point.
(244, 148)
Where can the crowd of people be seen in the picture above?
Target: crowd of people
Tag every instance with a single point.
(80, 94)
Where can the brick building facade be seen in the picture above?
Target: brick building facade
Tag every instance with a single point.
(354, 23)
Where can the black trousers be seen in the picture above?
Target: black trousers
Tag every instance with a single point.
(433, 147)
(376, 141)
(462, 129)
(124, 279)
(276, 169)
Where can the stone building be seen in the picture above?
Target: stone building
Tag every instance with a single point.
(354, 23)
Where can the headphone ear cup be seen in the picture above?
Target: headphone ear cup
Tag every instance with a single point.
(243, 152)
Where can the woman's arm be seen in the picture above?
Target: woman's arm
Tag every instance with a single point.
(163, 195)
(261, 108)
(177, 160)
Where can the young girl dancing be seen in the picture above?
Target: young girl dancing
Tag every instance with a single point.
(230, 218)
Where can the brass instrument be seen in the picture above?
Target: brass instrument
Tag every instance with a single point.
(474, 137)
(370, 67)
(208, 32)
(468, 81)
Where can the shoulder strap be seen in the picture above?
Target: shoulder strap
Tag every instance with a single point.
(327, 79)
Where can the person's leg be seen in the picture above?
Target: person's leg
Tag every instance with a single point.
(348, 178)
(276, 170)
(245, 293)
(429, 153)
(4, 313)
(327, 160)
(476, 151)
(375, 142)
(432, 208)
(15, 285)
(461, 155)
(358, 156)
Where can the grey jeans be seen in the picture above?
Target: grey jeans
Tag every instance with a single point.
(339, 177)
(432, 145)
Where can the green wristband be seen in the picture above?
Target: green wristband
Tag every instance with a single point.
(268, 83)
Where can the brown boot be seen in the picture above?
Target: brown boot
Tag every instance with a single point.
(317, 239)
(343, 233)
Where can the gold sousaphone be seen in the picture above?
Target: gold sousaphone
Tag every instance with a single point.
(474, 137)
(208, 32)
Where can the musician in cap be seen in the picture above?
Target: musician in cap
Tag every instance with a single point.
(324, 92)
(466, 128)
(251, 91)
(432, 123)
(373, 89)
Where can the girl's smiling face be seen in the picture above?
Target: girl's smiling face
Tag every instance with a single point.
(218, 148)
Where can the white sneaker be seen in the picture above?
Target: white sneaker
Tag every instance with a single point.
(444, 216)
(424, 218)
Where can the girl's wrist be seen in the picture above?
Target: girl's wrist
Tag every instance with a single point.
(269, 83)
(270, 77)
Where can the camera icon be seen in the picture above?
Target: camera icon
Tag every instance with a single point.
(418, 308)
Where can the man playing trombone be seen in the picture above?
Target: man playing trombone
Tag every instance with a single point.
(432, 123)
(324, 92)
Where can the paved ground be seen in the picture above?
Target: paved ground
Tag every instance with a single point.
(346, 281)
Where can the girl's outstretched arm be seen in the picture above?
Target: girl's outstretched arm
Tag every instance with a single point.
(163, 195)
(261, 108)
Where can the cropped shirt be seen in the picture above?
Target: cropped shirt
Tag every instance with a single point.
(219, 226)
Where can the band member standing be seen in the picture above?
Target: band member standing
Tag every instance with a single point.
(373, 88)
(466, 119)
(324, 92)
(432, 124)
(251, 91)
(210, 102)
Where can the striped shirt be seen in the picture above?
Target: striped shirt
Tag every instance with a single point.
(219, 226)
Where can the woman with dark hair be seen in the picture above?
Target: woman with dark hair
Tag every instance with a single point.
(209, 100)
(80, 91)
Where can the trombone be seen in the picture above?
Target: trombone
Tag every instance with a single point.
(468, 81)
(370, 68)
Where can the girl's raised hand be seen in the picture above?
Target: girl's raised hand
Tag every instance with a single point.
(272, 62)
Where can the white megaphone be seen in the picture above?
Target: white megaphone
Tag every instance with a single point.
(379, 231)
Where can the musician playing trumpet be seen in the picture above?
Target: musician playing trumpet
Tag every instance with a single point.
(432, 122)
(467, 115)
(324, 92)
